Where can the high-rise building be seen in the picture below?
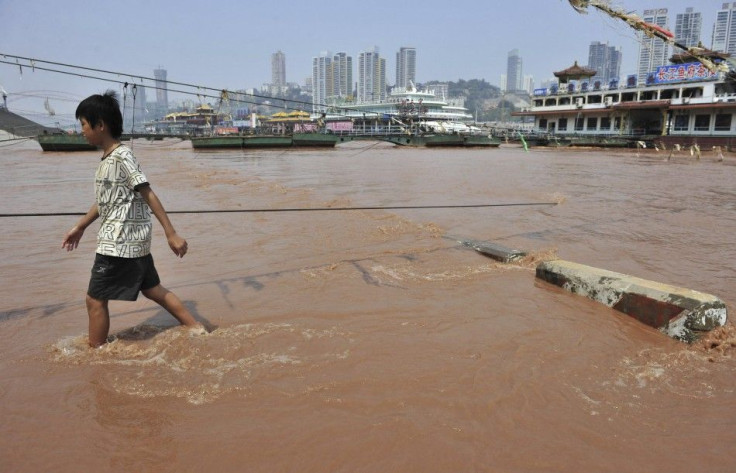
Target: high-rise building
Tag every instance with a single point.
(278, 70)
(332, 79)
(162, 90)
(322, 82)
(342, 75)
(514, 76)
(653, 52)
(724, 29)
(605, 60)
(371, 77)
(529, 84)
(687, 27)
(406, 67)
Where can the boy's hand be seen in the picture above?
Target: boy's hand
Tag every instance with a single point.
(178, 245)
(71, 240)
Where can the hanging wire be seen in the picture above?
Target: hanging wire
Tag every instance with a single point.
(165, 84)
(303, 209)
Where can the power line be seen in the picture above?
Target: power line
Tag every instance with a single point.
(222, 94)
(301, 209)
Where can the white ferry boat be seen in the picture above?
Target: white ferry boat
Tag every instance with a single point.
(404, 107)
(681, 104)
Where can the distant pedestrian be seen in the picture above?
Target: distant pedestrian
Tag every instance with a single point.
(123, 264)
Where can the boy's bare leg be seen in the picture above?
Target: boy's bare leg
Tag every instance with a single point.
(169, 301)
(99, 321)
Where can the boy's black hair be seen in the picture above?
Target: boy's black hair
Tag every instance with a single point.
(105, 108)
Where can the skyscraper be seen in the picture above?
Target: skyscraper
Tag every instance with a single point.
(528, 84)
(342, 75)
(606, 60)
(322, 82)
(371, 76)
(724, 29)
(653, 52)
(514, 77)
(406, 66)
(162, 91)
(278, 70)
(687, 27)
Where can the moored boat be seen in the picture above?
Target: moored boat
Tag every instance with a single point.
(241, 141)
(64, 142)
(481, 141)
(322, 140)
(680, 104)
(443, 140)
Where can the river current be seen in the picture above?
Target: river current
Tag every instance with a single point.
(371, 340)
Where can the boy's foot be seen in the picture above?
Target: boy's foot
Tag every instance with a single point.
(198, 329)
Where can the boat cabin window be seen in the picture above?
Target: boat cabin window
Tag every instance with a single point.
(723, 122)
(726, 88)
(595, 99)
(693, 92)
(579, 124)
(702, 122)
(605, 123)
(628, 96)
(550, 102)
(592, 123)
(565, 101)
(669, 94)
(648, 95)
(682, 122)
(538, 102)
(562, 124)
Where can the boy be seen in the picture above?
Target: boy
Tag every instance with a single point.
(124, 200)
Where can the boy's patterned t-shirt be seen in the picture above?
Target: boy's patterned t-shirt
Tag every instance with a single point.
(125, 229)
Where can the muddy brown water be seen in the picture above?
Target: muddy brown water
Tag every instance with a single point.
(371, 340)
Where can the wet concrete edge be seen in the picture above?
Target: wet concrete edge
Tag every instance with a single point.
(682, 314)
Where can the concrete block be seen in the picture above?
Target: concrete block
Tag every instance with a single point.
(681, 313)
(494, 250)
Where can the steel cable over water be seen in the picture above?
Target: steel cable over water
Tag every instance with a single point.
(302, 209)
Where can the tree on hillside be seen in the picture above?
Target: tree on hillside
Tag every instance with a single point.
(481, 99)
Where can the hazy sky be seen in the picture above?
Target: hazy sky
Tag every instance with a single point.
(228, 44)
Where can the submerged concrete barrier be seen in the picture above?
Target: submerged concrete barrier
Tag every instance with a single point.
(494, 250)
(681, 313)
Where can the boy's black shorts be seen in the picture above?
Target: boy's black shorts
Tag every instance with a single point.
(121, 279)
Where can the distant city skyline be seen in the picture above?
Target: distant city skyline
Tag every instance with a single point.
(184, 46)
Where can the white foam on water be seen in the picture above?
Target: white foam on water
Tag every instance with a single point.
(149, 361)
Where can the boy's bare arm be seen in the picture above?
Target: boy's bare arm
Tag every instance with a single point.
(72, 238)
(177, 244)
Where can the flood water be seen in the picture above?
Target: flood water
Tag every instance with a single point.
(371, 341)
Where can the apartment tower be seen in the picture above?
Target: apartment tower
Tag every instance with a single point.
(406, 67)
(653, 52)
